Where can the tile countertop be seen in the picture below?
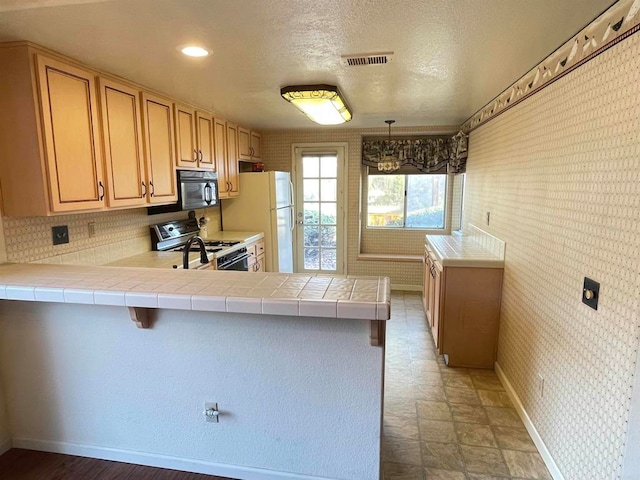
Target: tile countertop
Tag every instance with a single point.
(462, 251)
(168, 259)
(226, 236)
(301, 295)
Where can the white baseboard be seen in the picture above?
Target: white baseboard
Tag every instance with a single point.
(524, 416)
(406, 288)
(5, 445)
(161, 461)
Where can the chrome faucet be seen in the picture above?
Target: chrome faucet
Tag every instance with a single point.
(204, 258)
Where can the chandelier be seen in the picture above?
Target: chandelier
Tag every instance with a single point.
(390, 162)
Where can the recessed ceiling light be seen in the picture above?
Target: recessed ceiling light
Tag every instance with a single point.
(195, 51)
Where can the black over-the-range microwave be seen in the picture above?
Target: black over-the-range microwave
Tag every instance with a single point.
(195, 190)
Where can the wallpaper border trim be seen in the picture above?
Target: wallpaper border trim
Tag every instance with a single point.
(551, 464)
(617, 23)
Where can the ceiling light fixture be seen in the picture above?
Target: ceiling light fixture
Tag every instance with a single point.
(195, 51)
(323, 104)
(389, 162)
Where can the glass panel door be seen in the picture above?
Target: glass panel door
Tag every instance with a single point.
(320, 214)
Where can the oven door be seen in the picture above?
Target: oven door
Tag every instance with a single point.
(239, 262)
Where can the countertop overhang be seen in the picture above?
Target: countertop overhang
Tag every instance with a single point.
(301, 295)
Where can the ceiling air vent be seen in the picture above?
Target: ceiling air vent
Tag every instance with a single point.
(367, 59)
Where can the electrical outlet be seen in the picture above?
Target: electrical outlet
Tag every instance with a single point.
(488, 219)
(540, 385)
(60, 234)
(211, 412)
(590, 293)
(91, 227)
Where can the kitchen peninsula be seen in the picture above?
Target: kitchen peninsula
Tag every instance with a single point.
(295, 364)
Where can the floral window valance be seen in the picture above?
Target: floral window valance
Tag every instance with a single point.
(416, 154)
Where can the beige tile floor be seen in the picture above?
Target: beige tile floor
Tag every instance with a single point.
(446, 423)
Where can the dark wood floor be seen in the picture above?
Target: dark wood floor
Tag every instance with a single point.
(19, 464)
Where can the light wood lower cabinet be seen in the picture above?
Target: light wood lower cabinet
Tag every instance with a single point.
(463, 310)
(257, 259)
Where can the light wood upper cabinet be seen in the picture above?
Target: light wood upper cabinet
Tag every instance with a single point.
(123, 151)
(194, 139)
(186, 151)
(249, 145)
(226, 148)
(90, 141)
(256, 146)
(244, 144)
(204, 128)
(157, 122)
(233, 176)
(220, 154)
(71, 135)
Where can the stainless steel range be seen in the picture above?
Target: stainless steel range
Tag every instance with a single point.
(175, 235)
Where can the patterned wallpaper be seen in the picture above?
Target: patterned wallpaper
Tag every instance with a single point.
(560, 174)
(276, 153)
(119, 234)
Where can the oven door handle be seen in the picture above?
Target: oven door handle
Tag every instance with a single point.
(234, 260)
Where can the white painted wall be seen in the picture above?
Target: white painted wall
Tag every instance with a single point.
(299, 395)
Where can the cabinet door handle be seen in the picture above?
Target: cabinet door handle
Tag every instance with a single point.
(153, 189)
(201, 156)
(144, 193)
(229, 186)
(195, 155)
(101, 186)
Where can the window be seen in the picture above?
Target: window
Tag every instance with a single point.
(406, 201)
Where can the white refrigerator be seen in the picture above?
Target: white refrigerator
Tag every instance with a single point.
(265, 205)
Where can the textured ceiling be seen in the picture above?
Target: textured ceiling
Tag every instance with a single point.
(451, 56)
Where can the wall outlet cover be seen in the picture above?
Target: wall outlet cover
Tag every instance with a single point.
(60, 234)
(590, 293)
